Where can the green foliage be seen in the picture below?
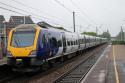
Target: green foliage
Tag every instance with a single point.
(90, 33)
(106, 35)
(118, 42)
(120, 36)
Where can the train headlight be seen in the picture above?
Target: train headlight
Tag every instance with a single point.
(9, 54)
(32, 54)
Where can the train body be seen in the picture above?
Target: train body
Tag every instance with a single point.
(32, 45)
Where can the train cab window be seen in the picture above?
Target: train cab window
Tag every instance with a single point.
(22, 38)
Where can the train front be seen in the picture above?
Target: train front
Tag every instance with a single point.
(22, 45)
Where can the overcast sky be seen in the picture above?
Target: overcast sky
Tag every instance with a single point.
(105, 14)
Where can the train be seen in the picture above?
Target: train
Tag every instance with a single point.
(29, 46)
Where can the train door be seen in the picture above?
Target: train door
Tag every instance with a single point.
(45, 43)
(64, 42)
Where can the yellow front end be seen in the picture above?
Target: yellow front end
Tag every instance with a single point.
(21, 52)
(20, 55)
(16, 52)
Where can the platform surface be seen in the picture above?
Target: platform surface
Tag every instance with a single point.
(110, 67)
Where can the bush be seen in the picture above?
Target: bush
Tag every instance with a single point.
(118, 42)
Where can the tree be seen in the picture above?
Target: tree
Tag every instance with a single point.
(120, 36)
(106, 35)
(90, 33)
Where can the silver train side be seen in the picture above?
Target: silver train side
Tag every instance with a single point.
(51, 44)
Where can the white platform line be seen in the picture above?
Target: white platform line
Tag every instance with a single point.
(106, 50)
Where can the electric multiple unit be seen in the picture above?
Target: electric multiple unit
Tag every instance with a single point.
(30, 45)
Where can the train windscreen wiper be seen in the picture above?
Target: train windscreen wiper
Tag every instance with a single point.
(16, 40)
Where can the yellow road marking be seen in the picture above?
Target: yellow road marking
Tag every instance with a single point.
(115, 67)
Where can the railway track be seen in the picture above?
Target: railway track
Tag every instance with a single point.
(6, 74)
(76, 74)
(41, 76)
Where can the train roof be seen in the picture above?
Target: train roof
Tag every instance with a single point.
(53, 29)
(25, 26)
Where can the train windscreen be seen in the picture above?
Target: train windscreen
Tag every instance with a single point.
(23, 37)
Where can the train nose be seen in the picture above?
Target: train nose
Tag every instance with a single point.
(20, 52)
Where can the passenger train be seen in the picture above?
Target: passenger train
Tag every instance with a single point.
(30, 45)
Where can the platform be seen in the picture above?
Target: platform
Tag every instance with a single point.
(110, 67)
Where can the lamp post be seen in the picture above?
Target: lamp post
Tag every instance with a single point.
(124, 33)
(97, 29)
(78, 30)
(4, 38)
(24, 19)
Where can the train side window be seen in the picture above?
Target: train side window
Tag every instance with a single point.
(76, 42)
(71, 42)
(59, 43)
(87, 41)
(90, 40)
(83, 40)
(68, 42)
(80, 41)
(54, 42)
